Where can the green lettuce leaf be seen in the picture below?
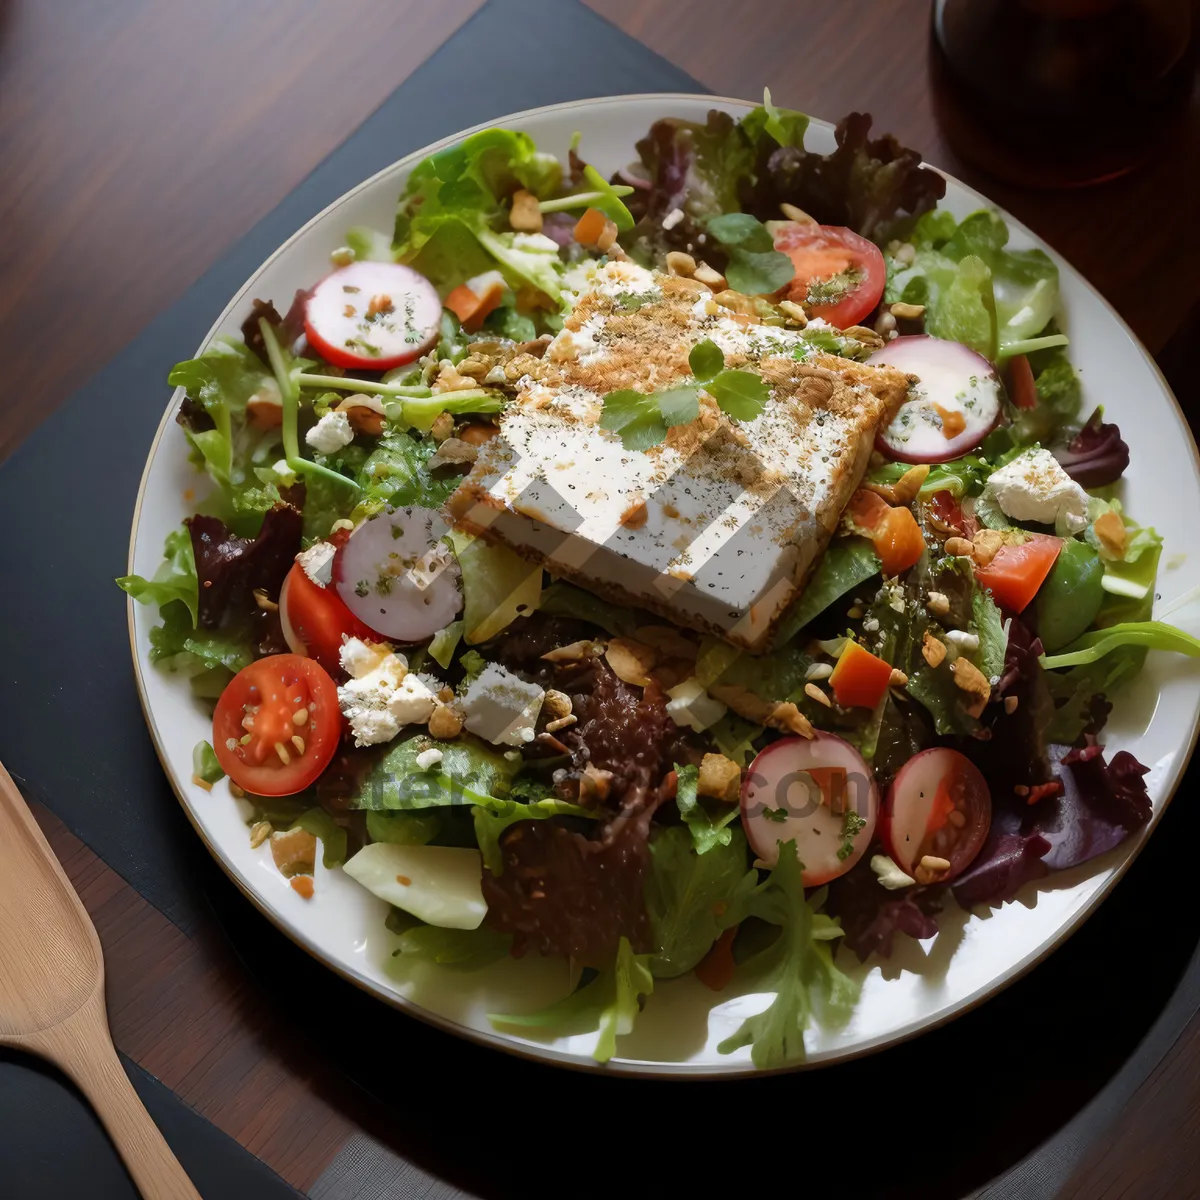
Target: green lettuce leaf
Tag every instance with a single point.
(610, 1002)
(734, 737)
(204, 763)
(989, 627)
(847, 562)
(708, 828)
(498, 586)
(178, 645)
(565, 600)
(491, 822)
(175, 579)
(686, 893)
(394, 473)
(463, 949)
(797, 966)
(404, 828)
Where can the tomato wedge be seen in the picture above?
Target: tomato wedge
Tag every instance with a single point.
(1017, 571)
(277, 725)
(315, 619)
(860, 678)
(839, 275)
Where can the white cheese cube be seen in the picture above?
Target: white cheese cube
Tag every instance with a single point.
(502, 708)
(1034, 487)
(330, 433)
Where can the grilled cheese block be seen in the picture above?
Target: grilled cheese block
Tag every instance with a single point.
(718, 527)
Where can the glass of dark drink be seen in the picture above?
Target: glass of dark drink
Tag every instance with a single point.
(1061, 93)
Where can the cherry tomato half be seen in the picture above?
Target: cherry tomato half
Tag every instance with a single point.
(1017, 571)
(839, 275)
(277, 725)
(315, 619)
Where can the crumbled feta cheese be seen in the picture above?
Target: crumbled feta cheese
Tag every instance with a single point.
(692, 706)
(501, 707)
(870, 625)
(330, 433)
(317, 563)
(538, 242)
(482, 284)
(284, 473)
(672, 218)
(382, 696)
(428, 759)
(1034, 487)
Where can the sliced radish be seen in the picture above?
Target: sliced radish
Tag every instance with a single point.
(938, 807)
(295, 645)
(397, 575)
(954, 405)
(374, 315)
(817, 792)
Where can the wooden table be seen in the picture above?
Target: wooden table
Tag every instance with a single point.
(142, 137)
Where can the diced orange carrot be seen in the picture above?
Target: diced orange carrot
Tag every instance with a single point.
(898, 541)
(859, 679)
(302, 885)
(589, 227)
(716, 968)
(471, 309)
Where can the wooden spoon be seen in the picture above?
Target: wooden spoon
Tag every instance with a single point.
(52, 995)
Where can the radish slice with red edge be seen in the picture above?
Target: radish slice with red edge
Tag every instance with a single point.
(817, 792)
(397, 575)
(939, 806)
(372, 315)
(954, 405)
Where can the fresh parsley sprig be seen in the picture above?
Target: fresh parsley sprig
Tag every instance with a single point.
(642, 420)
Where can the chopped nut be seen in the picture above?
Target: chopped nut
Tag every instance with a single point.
(791, 309)
(905, 488)
(449, 380)
(202, 783)
(792, 213)
(868, 337)
(1111, 534)
(1010, 704)
(574, 652)
(679, 263)
(819, 671)
(525, 216)
(706, 275)
(907, 312)
(932, 650)
(259, 832)
(932, 863)
(885, 323)
(556, 704)
(452, 452)
(737, 302)
(631, 661)
(986, 544)
(594, 784)
(444, 723)
(815, 693)
(478, 432)
(294, 851)
(561, 723)
(938, 603)
(445, 695)
(897, 678)
(608, 236)
(264, 412)
(787, 716)
(971, 680)
(442, 427)
(720, 778)
(959, 547)
(668, 641)
(364, 418)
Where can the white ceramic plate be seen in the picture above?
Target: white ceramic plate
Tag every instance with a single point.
(925, 983)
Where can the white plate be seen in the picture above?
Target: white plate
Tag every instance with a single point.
(925, 983)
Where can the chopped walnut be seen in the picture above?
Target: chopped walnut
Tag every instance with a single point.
(971, 680)
(631, 661)
(525, 216)
(556, 704)
(933, 651)
(720, 778)
(1111, 534)
(986, 543)
(444, 723)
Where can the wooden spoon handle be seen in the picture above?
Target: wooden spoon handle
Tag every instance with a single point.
(83, 1048)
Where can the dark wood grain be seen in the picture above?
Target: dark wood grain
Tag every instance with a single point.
(1134, 238)
(140, 138)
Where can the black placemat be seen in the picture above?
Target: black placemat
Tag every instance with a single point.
(1008, 1076)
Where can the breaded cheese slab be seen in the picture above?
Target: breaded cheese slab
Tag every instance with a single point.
(718, 527)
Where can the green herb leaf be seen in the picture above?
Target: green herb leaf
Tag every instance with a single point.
(204, 763)
(635, 417)
(1153, 635)
(706, 360)
(847, 562)
(740, 393)
(741, 230)
(175, 579)
(852, 823)
(462, 949)
(679, 405)
(776, 814)
(708, 830)
(758, 272)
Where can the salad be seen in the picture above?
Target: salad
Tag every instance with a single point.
(711, 569)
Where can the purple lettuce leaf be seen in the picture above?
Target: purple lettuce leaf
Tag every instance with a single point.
(871, 916)
(1096, 455)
